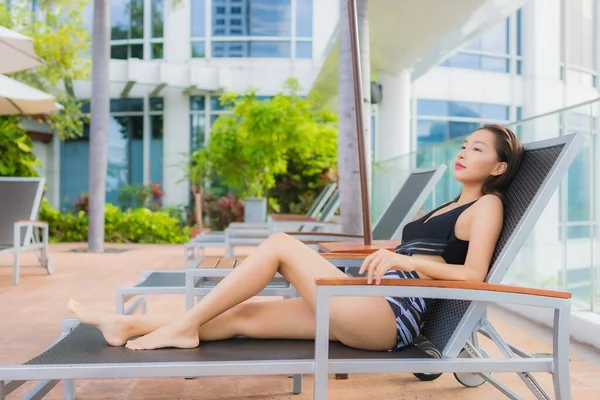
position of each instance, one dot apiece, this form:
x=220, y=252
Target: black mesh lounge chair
x=195, y=247
x=20, y=200
x=447, y=343
x=401, y=210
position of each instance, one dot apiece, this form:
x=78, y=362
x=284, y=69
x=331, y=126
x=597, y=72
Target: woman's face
x=478, y=159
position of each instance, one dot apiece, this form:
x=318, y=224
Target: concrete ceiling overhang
x=415, y=35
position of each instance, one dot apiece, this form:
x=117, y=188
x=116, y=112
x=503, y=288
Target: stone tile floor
x=30, y=316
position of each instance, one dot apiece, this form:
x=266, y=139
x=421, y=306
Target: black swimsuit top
x=436, y=236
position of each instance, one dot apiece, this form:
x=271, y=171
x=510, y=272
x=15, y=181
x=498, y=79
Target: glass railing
x=563, y=251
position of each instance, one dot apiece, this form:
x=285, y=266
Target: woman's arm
x=484, y=231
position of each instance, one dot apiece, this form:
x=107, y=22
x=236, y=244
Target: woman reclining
x=453, y=242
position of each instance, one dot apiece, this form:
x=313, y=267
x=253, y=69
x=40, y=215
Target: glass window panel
x=270, y=18
x=198, y=19
x=125, y=105
x=197, y=103
x=137, y=19
x=197, y=131
x=230, y=49
x=432, y=107
x=157, y=18
x=156, y=148
x=519, y=67
x=494, y=111
x=119, y=19
x=74, y=156
x=198, y=50
x=495, y=40
x=519, y=113
x=136, y=51
x=464, y=109
x=519, y=31
x=270, y=49
x=303, y=49
x=119, y=52
x=157, y=51
x=213, y=119
x=215, y=104
x=156, y=104
x=136, y=150
x=579, y=188
x=429, y=131
x=461, y=60
x=304, y=18
x=494, y=64
x=118, y=154
x=458, y=129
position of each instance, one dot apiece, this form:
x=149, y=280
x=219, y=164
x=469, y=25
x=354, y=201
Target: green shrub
x=131, y=226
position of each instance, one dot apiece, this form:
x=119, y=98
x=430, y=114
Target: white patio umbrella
x=18, y=98
x=16, y=52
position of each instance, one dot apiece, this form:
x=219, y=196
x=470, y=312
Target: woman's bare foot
x=114, y=328
x=174, y=334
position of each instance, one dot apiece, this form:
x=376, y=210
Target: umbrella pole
x=358, y=106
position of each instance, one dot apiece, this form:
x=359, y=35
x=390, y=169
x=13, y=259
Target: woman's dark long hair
x=509, y=149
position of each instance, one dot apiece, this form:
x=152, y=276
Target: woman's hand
x=378, y=263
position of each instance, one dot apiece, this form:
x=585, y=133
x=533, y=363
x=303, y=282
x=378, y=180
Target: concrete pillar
x=176, y=143
x=392, y=139
x=393, y=126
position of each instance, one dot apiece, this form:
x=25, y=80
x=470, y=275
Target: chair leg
x=562, y=383
x=69, y=393
x=297, y=384
x=17, y=265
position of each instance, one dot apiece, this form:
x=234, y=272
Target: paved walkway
x=30, y=316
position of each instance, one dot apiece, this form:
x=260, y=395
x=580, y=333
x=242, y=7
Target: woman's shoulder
x=489, y=204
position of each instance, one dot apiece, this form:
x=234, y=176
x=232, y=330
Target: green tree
x=254, y=144
x=61, y=40
x=16, y=156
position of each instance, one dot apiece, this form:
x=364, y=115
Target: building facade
x=170, y=62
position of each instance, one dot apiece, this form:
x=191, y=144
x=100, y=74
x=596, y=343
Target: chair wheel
x=468, y=379
x=427, y=377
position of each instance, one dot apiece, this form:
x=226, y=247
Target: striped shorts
x=409, y=311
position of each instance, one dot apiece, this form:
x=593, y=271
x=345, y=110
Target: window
x=127, y=29
x=578, y=186
x=253, y=28
x=156, y=139
x=125, y=151
x=441, y=120
x=491, y=50
x=198, y=27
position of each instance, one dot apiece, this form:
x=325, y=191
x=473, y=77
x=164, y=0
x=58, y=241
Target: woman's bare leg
x=359, y=322
x=284, y=319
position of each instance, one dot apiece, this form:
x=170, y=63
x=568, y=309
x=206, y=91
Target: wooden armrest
x=32, y=220
x=343, y=256
x=447, y=284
